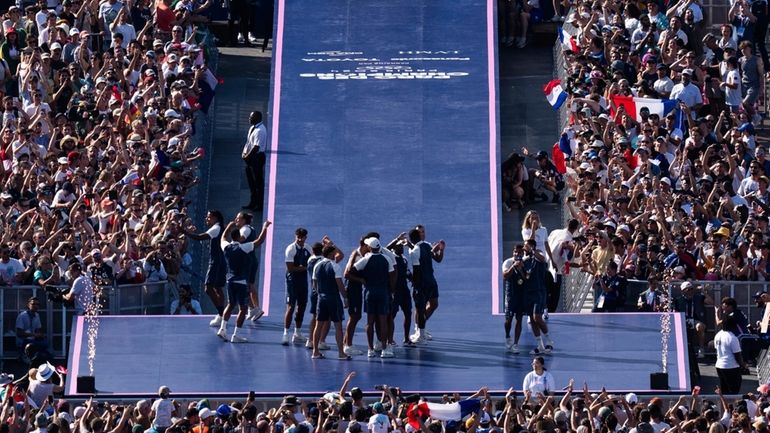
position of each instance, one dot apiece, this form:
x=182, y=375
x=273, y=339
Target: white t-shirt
x=9, y=270
x=292, y=248
x=361, y=263
x=163, y=408
x=379, y=423
x=538, y=383
x=541, y=236
x=214, y=230
x=733, y=96
x=726, y=344
x=83, y=291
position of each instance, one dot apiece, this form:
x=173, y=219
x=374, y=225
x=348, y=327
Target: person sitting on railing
x=29, y=328
x=693, y=302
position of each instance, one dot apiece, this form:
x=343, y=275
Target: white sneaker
x=377, y=346
x=545, y=315
x=548, y=349
x=258, y=313
x=514, y=349
x=252, y=38
x=352, y=351
x=241, y=39
x=323, y=346
x=238, y=339
x=371, y=353
x=418, y=339
x=309, y=344
x=387, y=353
x=216, y=321
x=508, y=343
x=701, y=354
x=285, y=340
x=222, y=333
x=298, y=339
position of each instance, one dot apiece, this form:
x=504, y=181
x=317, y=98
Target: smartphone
x=50, y=400
x=572, y=199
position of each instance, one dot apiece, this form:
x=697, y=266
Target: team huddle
x=374, y=281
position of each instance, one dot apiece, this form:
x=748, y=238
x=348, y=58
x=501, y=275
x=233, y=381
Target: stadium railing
x=125, y=299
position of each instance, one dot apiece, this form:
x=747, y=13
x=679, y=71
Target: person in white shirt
x=379, y=422
x=732, y=85
x=253, y=155
x=687, y=93
x=11, y=270
x=664, y=84
x=163, y=410
x=82, y=291
x=729, y=359
x=539, y=381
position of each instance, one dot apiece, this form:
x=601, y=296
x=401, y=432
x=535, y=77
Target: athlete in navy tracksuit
x=376, y=271
x=317, y=256
x=424, y=283
x=402, y=298
x=297, y=254
x=236, y=251
x=244, y=221
x=215, y=275
x=327, y=283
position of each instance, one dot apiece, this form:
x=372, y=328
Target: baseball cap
x=372, y=243
x=687, y=71
x=205, y=413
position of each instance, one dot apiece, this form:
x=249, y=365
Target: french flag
x=634, y=105
x=567, y=40
x=555, y=94
x=441, y=412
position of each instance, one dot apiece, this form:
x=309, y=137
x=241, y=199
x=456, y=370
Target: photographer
x=153, y=269
x=186, y=304
x=547, y=174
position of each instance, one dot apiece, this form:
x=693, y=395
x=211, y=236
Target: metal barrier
x=127, y=299
x=575, y=288
x=763, y=367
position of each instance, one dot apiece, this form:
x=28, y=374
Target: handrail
x=119, y=299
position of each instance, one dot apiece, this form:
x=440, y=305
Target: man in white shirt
x=11, y=270
x=379, y=422
x=82, y=291
x=254, y=156
x=664, y=84
x=687, y=92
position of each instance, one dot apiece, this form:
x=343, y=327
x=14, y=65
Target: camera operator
x=546, y=173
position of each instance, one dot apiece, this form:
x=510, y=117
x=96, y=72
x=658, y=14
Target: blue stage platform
x=383, y=116
x=137, y=354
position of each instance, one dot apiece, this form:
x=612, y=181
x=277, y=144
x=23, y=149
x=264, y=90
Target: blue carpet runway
x=384, y=116
x=135, y=355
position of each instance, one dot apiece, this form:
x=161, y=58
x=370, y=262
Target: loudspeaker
x=86, y=385
x=659, y=381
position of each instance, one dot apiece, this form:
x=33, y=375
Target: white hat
x=687, y=72
x=598, y=208
x=585, y=166
x=63, y=160
x=171, y=113
x=679, y=270
x=74, y=31
x=666, y=180
x=625, y=228
x=631, y=398
x=44, y=372
x=205, y=413
x=372, y=243
x=55, y=46
x=687, y=284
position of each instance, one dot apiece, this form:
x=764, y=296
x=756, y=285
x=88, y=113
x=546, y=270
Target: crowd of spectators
x=28, y=405
x=679, y=193
x=98, y=106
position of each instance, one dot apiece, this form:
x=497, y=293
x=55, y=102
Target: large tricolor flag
x=634, y=105
x=555, y=94
x=567, y=40
x=441, y=412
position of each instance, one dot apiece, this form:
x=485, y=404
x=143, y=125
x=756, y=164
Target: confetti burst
x=92, y=308
x=665, y=332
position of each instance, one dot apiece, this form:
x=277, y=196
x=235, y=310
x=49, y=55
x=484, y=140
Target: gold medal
x=520, y=281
